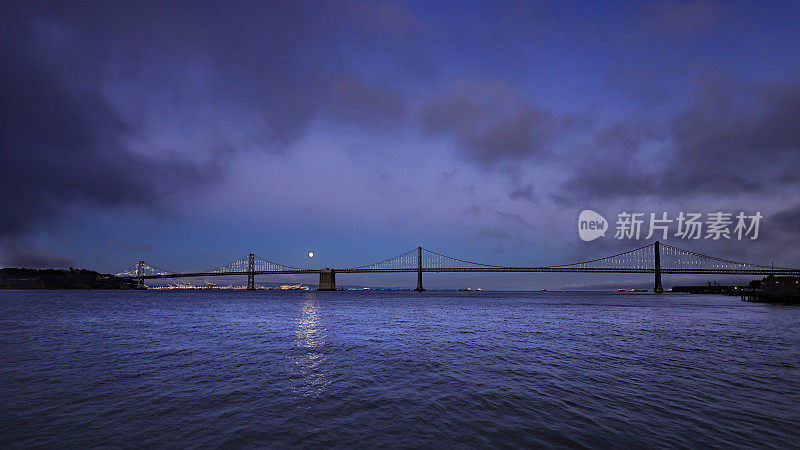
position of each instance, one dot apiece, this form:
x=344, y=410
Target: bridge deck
x=656, y=258
x=484, y=269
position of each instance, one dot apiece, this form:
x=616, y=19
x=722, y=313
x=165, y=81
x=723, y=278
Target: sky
x=189, y=134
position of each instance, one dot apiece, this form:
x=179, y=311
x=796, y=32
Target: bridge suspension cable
x=674, y=258
x=146, y=270
x=263, y=265
x=420, y=258
x=638, y=258
x=242, y=265
x=432, y=260
x=405, y=260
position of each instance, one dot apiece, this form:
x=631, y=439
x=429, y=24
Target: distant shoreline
x=61, y=279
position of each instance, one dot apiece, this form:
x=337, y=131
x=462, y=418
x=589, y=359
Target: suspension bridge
x=656, y=258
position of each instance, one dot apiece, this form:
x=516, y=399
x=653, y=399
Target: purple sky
x=189, y=134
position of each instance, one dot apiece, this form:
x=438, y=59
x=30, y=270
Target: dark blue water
x=396, y=369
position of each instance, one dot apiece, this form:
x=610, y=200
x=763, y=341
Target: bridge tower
x=140, y=275
x=251, y=268
x=658, y=288
x=419, y=270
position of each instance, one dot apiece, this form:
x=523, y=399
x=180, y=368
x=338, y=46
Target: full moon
x=310, y=254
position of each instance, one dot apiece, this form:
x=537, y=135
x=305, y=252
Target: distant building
x=773, y=285
x=776, y=289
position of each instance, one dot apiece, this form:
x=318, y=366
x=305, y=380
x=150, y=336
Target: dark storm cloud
x=61, y=145
x=780, y=230
x=611, y=169
x=30, y=256
x=491, y=123
x=355, y=101
x=733, y=138
x=65, y=144
x=787, y=220
x=274, y=57
x=733, y=132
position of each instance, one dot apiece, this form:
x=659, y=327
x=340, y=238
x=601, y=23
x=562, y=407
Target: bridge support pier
x=251, y=276
x=327, y=280
x=658, y=288
x=419, y=270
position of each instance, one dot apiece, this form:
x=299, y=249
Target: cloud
x=353, y=100
x=787, y=220
x=31, y=256
x=491, y=123
x=681, y=19
x=388, y=20
x=737, y=137
x=506, y=230
x=732, y=138
x=522, y=193
x=282, y=62
x=780, y=239
x=102, y=103
x=611, y=168
x=61, y=145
